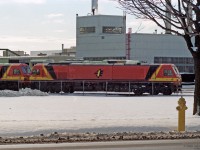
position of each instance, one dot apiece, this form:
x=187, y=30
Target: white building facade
x=101, y=36
x=161, y=48
x=104, y=37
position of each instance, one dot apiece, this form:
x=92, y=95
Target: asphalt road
x=188, y=144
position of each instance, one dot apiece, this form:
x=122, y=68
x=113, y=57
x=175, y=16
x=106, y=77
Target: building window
x=86, y=30
x=184, y=64
x=112, y=30
x=174, y=60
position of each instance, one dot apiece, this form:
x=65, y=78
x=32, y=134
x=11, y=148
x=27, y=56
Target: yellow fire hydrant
x=181, y=114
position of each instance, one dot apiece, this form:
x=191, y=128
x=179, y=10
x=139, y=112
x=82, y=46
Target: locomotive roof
x=125, y=63
x=104, y=62
x=13, y=64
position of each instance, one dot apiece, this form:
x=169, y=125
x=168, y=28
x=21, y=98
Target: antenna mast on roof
x=94, y=7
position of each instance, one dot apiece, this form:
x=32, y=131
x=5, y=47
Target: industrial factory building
x=161, y=48
x=101, y=36
x=105, y=37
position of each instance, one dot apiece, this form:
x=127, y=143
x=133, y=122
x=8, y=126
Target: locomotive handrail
x=85, y=84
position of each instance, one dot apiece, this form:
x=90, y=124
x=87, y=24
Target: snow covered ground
x=21, y=113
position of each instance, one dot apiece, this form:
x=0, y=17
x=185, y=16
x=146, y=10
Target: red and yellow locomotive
x=14, y=76
x=118, y=77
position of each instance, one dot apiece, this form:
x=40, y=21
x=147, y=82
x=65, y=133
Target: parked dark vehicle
x=187, y=78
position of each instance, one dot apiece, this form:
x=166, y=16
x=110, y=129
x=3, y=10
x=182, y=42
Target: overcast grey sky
x=30, y=25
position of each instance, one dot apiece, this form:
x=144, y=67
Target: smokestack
x=62, y=47
x=168, y=16
x=94, y=7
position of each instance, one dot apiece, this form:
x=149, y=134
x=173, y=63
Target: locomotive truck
x=114, y=77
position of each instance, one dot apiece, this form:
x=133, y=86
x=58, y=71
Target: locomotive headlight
x=179, y=80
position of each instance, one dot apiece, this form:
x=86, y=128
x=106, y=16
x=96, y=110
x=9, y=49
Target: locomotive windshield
x=176, y=70
x=36, y=72
x=26, y=70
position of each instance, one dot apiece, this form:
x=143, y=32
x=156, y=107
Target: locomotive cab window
x=167, y=72
x=16, y=71
x=176, y=70
x=26, y=70
x=36, y=72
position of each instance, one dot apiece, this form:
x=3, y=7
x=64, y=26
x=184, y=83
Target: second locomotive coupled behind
x=14, y=76
x=117, y=77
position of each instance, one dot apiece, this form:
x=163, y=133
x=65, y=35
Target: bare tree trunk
x=186, y=18
x=196, y=108
x=196, y=57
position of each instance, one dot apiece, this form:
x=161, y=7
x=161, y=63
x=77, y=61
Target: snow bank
x=22, y=92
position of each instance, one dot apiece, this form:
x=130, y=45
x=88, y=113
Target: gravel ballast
x=98, y=137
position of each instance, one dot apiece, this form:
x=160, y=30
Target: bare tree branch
x=183, y=12
x=181, y=17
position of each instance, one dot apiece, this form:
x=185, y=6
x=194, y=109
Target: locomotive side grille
x=3, y=70
x=51, y=71
x=152, y=69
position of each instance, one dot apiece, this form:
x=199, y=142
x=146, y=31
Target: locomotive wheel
x=33, y=86
x=109, y=88
x=167, y=91
x=57, y=90
x=68, y=89
x=42, y=87
x=65, y=90
x=117, y=88
x=155, y=92
x=71, y=89
x=13, y=87
x=54, y=89
x=138, y=92
x=51, y=90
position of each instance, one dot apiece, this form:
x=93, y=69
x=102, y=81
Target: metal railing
x=69, y=86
